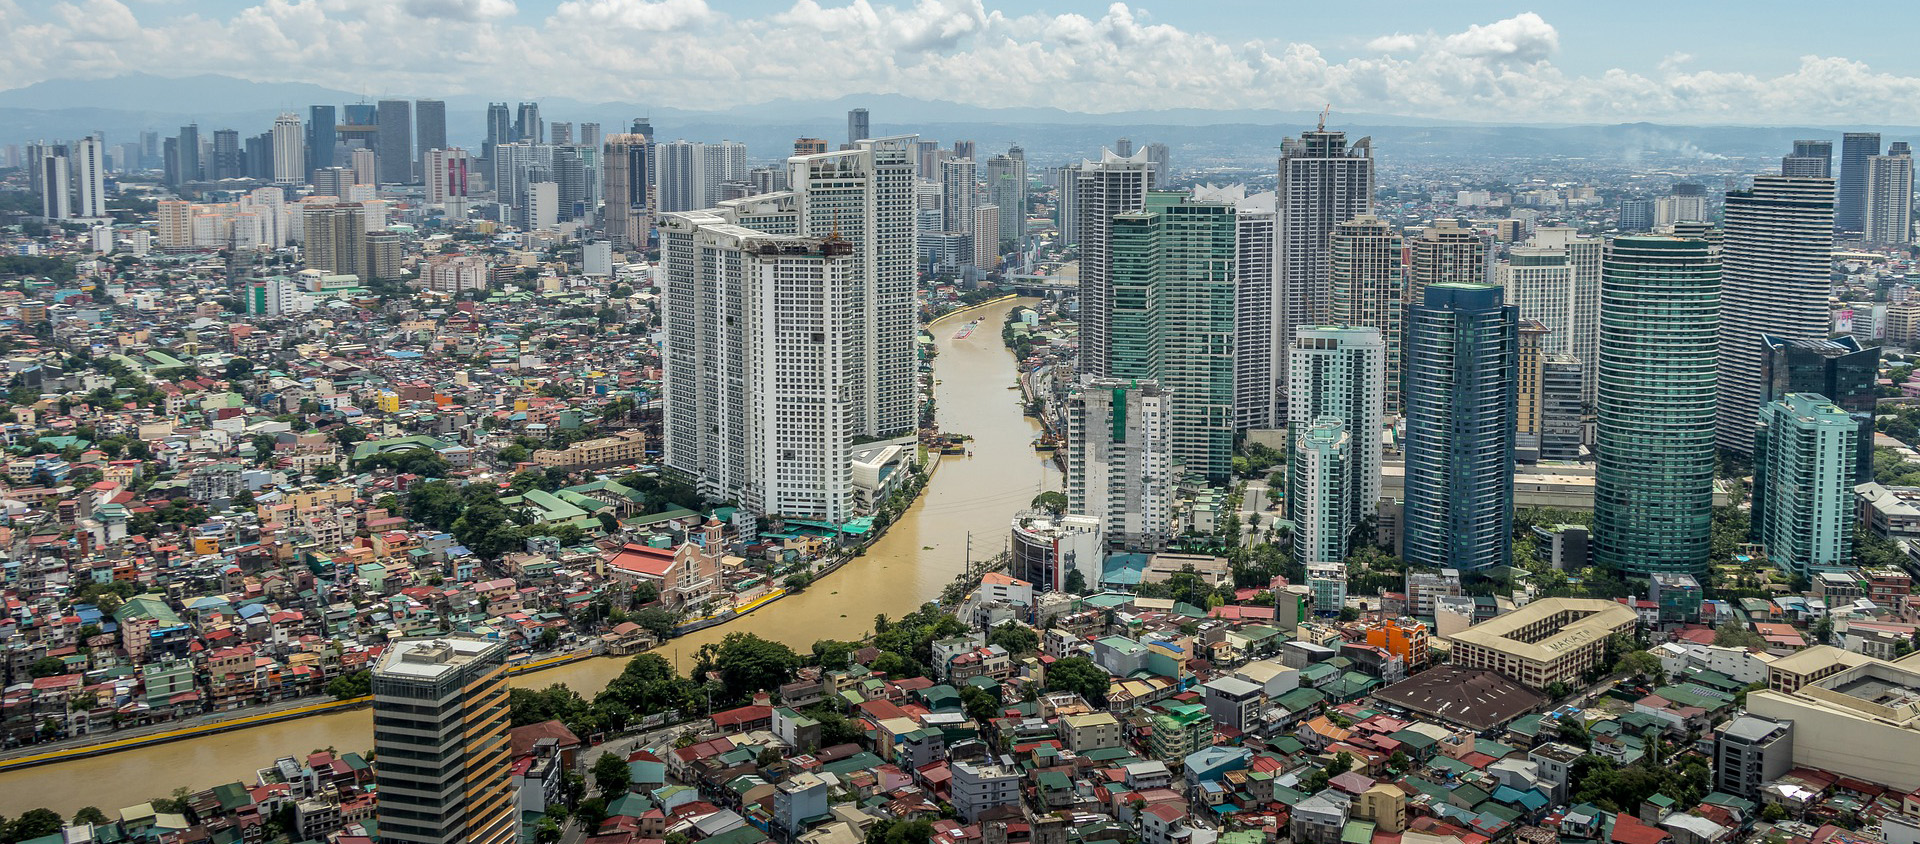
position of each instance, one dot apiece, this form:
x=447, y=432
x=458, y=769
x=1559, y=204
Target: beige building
x=1852, y=714
x=623, y=447
x=1903, y=323
x=1548, y=641
x=1094, y=731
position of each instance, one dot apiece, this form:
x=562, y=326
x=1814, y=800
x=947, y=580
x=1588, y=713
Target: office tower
x=445, y=175
x=1562, y=403
x=628, y=173
x=1636, y=215
x=189, y=154
x=986, y=237
x=395, y=150
x=570, y=179
x=1529, y=409
x=1749, y=752
x=88, y=170
x=226, y=155
x=1446, y=252
x=679, y=176
x=560, y=133
x=1659, y=337
x=590, y=135
x=1775, y=256
x=1803, y=478
x=335, y=236
x=857, y=129
x=809, y=146
x=169, y=157
x=1171, y=318
x=1123, y=147
x=149, y=150
x=1809, y=158
x=1889, y=200
x=332, y=181
x=963, y=149
x=1555, y=280
x=1162, y=160
x=767, y=179
x=777, y=406
x=1366, y=287
x=443, y=767
x=289, y=150
x=1258, y=365
x=1120, y=459
x=1837, y=369
x=1462, y=356
x=1320, y=491
x=1687, y=203
x=320, y=137
x=1093, y=193
x=56, y=182
x=1323, y=183
x=527, y=127
x=499, y=129
x=257, y=161
x=959, y=193
x=1340, y=372
x=430, y=127
x=1007, y=191
x=1850, y=206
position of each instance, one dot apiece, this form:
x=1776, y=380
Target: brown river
x=910, y=565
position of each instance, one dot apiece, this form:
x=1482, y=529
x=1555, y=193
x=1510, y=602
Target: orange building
x=1404, y=638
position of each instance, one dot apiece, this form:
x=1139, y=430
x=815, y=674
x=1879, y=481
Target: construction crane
x=1323, y=116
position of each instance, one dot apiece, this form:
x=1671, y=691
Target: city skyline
x=1470, y=62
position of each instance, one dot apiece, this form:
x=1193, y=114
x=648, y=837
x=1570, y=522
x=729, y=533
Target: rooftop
x=1587, y=620
x=1471, y=697
x=425, y=659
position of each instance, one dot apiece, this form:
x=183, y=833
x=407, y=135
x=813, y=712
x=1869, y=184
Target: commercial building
x=394, y=141
x=1552, y=640
x=1750, y=751
x=442, y=769
x=1462, y=362
x=623, y=448
x=1323, y=182
x=1837, y=369
x=1367, y=289
x=1007, y=191
x=1775, y=258
x=1857, y=150
x=430, y=127
x=1327, y=585
x=1320, y=491
x=627, y=175
x=1805, y=451
x=1340, y=372
x=1852, y=714
x=1092, y=194
x=1446, y=252
x=1659, y=327
x=1562, y=382
x=1120, y=460
x=978, y=787
x=1171, y=315
x=1809, y=158
x=1258, y=361
x=1889, y=216
x=1046, y=549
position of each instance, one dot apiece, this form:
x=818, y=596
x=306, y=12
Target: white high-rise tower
x=1323, y=182
x=1775, y=258
x=289, y=150
x=89, y=174
x=1092, y=192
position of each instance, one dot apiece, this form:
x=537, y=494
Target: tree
x=1076, y=582
x=746, y=664
x=1773, y=813
x=546, y=831
x=34, y=823
x=660, y=622
x=1573, y=730
x=591, y=812
x=1734, y=635
x=1015, y=637
x=90, y=814
x=1051, y=501
x=611, y=774
x=238, y=369
x=435, y=504
x=1081, y=676
x=1641, y=665
x=982, y=706
x=348, y=686
x=47, y=666
x=890, y=831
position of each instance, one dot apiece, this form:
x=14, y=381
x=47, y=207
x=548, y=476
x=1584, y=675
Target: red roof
x=644, y=560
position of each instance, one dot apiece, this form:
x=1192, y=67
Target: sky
x=1704, y=61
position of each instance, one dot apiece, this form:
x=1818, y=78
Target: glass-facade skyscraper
x=1659, y=333
x=1837, y=369
x=1462, y=365
x=1856, y=150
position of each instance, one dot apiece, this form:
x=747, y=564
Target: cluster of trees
x=58, y=269
x=36, y=823
x=1256, y=460
x=424, y=462
x=349, y=686
x=1901, y=422
x=1081, y=676
x=1598, y=780
x=473, y=514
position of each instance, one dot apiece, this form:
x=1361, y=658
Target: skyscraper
x=527, y=127
x=334, y=236
x=320, y=138
x=226, y=155
x=1007, y=190
x=560, y=132
x=809, y=146
x=1446, y=252
x=959, y=193
x=1323, y=183
x=1809, y=158
x=89, y=172
x=56, y=182
x=1320, y=491
x=1889, y=217
x=1850, y=209
x=628, y=171
x=1092, y=193
x=446, y=179
x=1659, y=337
x=443, y=764
x=1803, y=478
x=1120, y=460
x=430, y=127
x=1162, y=160
x=764, y=411
x=1531, y=410
x=1339, y=372
x=1258, y=364
x=395, y=150
x=1462, y=361
x=1636, y=215
x=1775, y=255
x=190, y=154
x=857, y=129
x=1367, y=288
x=1838, y=369
x=289, y=150
x=499, y=129
x=1172, y=320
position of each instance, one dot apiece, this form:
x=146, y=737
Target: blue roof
x=404, y=355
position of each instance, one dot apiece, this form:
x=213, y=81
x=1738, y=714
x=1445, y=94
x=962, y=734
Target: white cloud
x=688, y=54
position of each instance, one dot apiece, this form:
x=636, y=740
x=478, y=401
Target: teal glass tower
x=1462, y=403
x=1659, y=335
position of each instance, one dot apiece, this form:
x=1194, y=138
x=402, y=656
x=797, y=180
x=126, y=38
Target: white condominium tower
x=1092, y=192
x=1120, y=459
x=1774, y=256
x=1339, y=372
x=1323, y=183
x=1555, y=280
x=89, y=168
x=289, y=150
x=855, y=209
x=1890, y=196
x=1257, y=363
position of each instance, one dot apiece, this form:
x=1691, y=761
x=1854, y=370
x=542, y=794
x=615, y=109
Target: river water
x=918, y=557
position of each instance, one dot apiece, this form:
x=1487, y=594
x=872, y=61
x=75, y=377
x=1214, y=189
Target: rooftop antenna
x=1323, y=116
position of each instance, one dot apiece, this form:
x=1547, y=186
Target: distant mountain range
x=123, y=107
